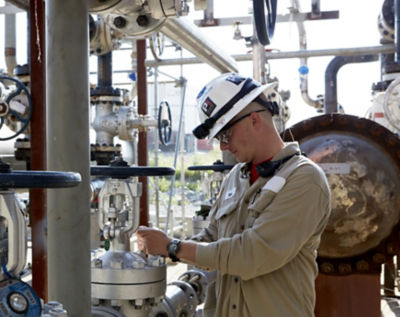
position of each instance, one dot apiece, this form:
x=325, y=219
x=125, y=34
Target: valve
x=17, y=297
x=13, y=106
x=164, y=123
x=122, y=278
x=264, y=24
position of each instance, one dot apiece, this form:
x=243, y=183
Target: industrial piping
x=331, y=103
x=184, y=32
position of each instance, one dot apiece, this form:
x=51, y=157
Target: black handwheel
x=38, y=179
x=217, y=166
x=265, y=24
x=124, y=172
x=23, y=118
x=164, y=123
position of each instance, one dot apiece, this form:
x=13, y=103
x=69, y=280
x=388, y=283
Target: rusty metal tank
x=362, y=162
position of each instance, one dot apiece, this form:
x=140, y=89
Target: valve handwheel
x=217, y=166
x=36, y=179
x=265, y=24
x=164, y=123
x=120, y=169
x=7, y=110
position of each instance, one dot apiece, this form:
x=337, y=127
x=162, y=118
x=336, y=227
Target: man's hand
x=152, y=241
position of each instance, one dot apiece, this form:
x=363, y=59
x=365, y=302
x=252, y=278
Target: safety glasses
x=225, y=134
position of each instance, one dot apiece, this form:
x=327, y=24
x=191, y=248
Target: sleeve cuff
x=206, y=255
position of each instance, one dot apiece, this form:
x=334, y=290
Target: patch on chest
x=275, y=184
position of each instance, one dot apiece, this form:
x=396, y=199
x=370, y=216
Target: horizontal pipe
x=368, y=50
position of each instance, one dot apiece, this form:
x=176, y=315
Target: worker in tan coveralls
x=266, y=224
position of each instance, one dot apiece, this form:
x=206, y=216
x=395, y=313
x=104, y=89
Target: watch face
x=173, y=248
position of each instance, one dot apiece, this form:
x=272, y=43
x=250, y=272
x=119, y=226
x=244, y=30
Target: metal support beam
x=142, y=146
x=68, y=150
x=37, y=197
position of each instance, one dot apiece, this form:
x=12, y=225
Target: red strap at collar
x=253, y=172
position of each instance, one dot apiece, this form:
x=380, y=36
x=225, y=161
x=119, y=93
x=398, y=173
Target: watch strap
x=173, y=248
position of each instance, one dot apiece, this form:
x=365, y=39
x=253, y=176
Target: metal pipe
x=303, y=70
x=68, y=150
x=142, y=143
x=37, y=197
x=331, y=103
x=387, y=49
x=104, y=72
x=208, y=14
x=185, y=33
x=9, y=41
x=258, y=58
x=156, y=148
x=397, y=29
x=315, y=8
x=177, y=146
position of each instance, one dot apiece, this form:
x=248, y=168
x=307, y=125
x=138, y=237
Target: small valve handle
x=127, y=171
x=217, y=166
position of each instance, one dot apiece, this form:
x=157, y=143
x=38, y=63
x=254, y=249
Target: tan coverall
x=262, y=240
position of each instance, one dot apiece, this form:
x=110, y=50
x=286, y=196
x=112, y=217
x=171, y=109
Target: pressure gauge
x=391, y=103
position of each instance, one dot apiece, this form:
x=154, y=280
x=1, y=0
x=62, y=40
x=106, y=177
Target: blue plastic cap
x=303, y=70
x=132, y=76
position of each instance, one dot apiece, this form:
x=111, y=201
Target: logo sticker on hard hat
x=208, y=107
x=236, y=79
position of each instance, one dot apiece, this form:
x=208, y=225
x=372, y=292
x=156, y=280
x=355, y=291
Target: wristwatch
x=173, y=248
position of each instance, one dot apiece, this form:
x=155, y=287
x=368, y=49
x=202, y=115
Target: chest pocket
x=226, y=220
x=263, y=198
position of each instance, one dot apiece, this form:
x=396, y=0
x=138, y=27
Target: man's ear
x=255, y=118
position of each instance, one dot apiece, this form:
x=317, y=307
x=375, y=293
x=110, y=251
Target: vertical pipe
x=208, y=14
x=142, y=144
x=156, y=149
x=182, y=150
x=37, y=197
x=68, y=150
x=397, y=29
x=9, y=41
x=104, y=70
x=258, y=58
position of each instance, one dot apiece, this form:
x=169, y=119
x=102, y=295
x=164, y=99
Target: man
x=266, y=223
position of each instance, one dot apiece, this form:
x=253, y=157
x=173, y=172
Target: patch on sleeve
x=208, y=107
x=230, y=193
x=275, y=184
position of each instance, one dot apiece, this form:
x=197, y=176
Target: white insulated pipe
x=67, y=95
x=184, y=32
x=10, y=41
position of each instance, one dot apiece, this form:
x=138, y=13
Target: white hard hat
x=223, y=98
